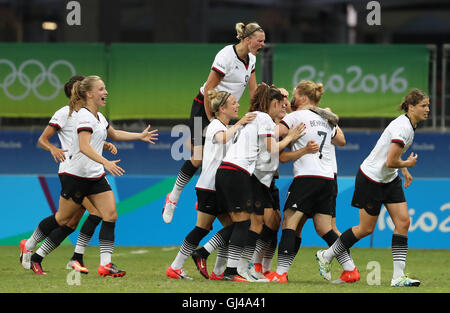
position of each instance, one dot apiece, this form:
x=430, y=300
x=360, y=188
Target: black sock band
x=48, y=224
x=298, y=243
x=287, y=242
x=185, y=174
x=330, y=237
x=90, y=224
x=348, y=238
x=107, y=231
x=196, y=235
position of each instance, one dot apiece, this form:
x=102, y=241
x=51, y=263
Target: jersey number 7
x=324, y=134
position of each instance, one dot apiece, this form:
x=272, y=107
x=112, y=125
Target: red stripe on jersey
x=87, y=178
x=399, y=141
x=198, y=100
x=317, y=176
x=228, y=168
x=284, y=123
x=234, y=166
x=203, y=189
x=378, y=183
x=88, y=129
x=215, y=69
x=55, y=125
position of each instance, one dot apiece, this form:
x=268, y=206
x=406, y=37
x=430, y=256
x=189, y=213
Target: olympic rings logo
x=33, y=84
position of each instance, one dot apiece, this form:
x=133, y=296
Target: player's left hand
x=150, y=136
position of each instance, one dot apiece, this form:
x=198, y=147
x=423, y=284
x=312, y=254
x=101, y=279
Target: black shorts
x=333, y=200
x=78, y=187
x=198, y=113
x=234, y=189
x=207, y=202
x=261, y=195
x=310, y=195
x=275, y=192
x=370, y=195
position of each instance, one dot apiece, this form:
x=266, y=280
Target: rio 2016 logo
x=19, y=76
x=359, y=81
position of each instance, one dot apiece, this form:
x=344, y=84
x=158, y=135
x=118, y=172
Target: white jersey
x=333, y=158
x=319, y=164
x=65, y=126
x=266, y=163
x=79, y=164
x=234, y=71
x=374, y=166
x=244, y=149
x=213, y=153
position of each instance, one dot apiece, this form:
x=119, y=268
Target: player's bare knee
x=109, y=216
x=196, y=162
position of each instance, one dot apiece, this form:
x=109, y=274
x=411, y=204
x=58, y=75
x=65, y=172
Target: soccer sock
x=219, y=239
x=221, y=260
x=261, y=243
x=106, y=239
x=399, y=251
x=188, y=246
x=237, y=242
x=343, y=258
x=298, y=243
x=248, y=251
x=343, y=243
x=286, y=251
x=86, y=232
x=184, y=176
x=45, y=227
x=51, y=243
x=270, y=252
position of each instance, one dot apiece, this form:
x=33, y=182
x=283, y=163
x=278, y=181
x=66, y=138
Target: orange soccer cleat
x=348, y=277
x=214, y=276
x=110, y=270
x=177, y=274
x=77, y=266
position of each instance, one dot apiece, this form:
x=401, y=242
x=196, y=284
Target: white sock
x=105, y=258
x=399, y=267
x=179, y=261
x=30, y=244
x=175, y=193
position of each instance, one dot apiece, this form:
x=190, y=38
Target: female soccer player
x=62, y=123
x=85, y=173
x=310, y=194
x=225, y=108
x=234, y=176
x=377, y=182
x=232, y=70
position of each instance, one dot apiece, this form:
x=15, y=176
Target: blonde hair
x=217, y=99
x=312, y=90
x=244, y=31
x=78, y=98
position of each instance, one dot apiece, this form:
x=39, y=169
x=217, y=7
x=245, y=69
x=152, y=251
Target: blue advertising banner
x=140, y=200
x=151, y=172
x=169, y=153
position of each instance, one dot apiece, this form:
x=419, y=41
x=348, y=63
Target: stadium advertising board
x=32, y=75
x=359, y=80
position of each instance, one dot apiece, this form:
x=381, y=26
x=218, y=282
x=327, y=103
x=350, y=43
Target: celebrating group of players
x=239, y=169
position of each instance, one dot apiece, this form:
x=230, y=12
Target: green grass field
x=146, y=268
